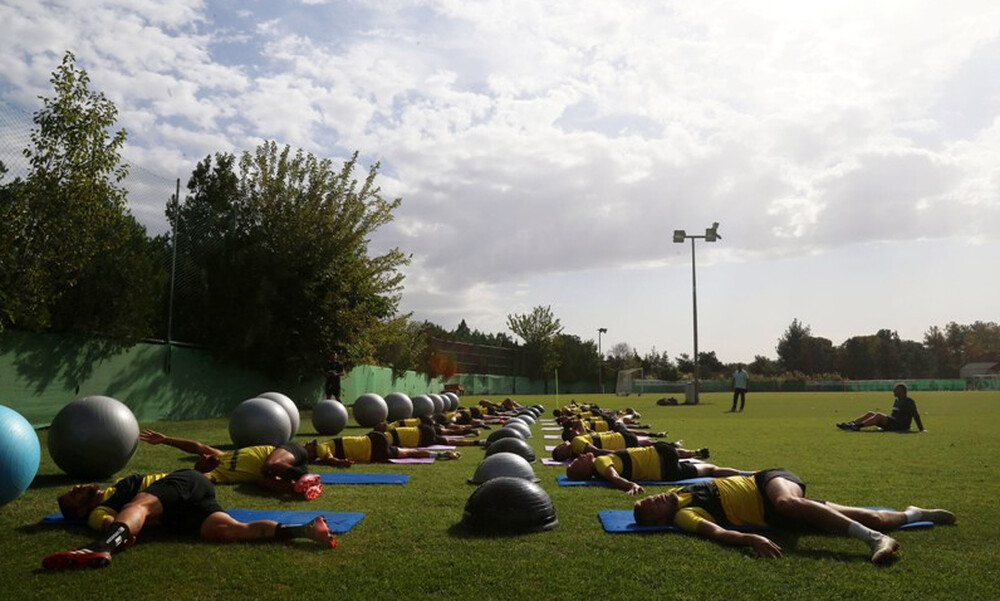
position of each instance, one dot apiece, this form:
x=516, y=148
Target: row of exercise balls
x=93, y=437
x=371, y=409
x=330, y=417
x=508, y=499
x=20, y=454
x=270, y=418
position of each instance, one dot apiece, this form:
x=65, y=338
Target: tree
x=73, y=259
x=763, y=366
x=276, y=248
x=659, y=366
x=791, y=346
x=539, y=330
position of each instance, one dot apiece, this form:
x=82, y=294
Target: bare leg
x=222, y=527
x=787, y=498
x=714, y=471
x=872, y=419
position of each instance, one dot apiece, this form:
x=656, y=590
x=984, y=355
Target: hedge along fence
x=40, y=373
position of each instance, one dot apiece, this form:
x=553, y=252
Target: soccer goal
x=626, y=381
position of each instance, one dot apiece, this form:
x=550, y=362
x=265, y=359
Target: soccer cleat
x=313, y=492
x=77, y=558
x=306, y=482
x=702, y=453
x=885, y=551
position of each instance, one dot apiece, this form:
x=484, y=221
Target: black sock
x=114, y=537
x=290, y=531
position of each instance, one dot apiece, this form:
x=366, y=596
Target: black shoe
x=702, y=453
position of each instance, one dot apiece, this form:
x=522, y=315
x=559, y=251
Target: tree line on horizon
x=268, y=265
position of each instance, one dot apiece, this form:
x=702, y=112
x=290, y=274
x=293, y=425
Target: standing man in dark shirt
x=334, y=371
x=904, y=411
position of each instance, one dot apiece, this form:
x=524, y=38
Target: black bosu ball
x=503, y=433
x=507, y=505
x=512, y=445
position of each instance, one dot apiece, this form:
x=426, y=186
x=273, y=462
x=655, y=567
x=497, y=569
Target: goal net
x=626, y=381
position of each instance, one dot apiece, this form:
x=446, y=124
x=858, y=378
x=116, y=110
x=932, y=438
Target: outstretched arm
x=191, y=446
x=589, y=448
x=333, y=461
x=612, y=476
x=761, y=545
x=916, y=418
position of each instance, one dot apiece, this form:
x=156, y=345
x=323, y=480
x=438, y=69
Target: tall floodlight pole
x=600, y=365
x=711, y=235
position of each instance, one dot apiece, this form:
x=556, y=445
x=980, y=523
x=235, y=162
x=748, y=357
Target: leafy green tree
x=277, y=253
x=578, y=360
x=792, y=346
x=764, y=366
x=659, y=366
x=539, y=330
x=73, y=258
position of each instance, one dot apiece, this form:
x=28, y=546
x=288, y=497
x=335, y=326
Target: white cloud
x=537, y=142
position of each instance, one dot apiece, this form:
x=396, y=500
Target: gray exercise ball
x=400, y=406
x=288, y=405
x=503, y=464
x=423, y=406
x=259, y=421
x=370, y=410
x=507, y=505
x=438, y=401
x=93, y=437
x=329, y=417
x=454, y=400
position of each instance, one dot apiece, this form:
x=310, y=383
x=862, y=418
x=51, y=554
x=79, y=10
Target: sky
x=546, y=151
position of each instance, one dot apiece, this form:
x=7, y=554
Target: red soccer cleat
x=313, y=492
x=306, y=482
x=77, y=558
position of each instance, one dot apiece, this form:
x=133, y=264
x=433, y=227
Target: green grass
x=408, y=547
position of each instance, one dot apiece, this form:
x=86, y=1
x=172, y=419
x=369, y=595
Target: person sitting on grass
x=603, y=443
x=776, y=498
x=182, y=502
x=373, y=447
x=659, y=461
x=904, y=411
x=276, y=469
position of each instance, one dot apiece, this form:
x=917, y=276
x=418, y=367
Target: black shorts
x=671, y=469
x=429, y=438
x=893, y=425
x=187, y=497
x=381, y=450
x=771, y=516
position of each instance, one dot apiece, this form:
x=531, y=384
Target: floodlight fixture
x=712, y=233
x=679, y=236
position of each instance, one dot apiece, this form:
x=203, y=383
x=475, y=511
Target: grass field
x=408, y=546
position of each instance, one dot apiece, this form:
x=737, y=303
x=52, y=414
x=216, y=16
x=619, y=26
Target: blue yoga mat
x=622, y=520
x=363, y=478
x=565, y=481
x=338, y=521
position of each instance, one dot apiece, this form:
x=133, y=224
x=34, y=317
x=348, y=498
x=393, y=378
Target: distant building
x=981, y=375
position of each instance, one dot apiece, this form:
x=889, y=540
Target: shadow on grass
x=462, y=531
